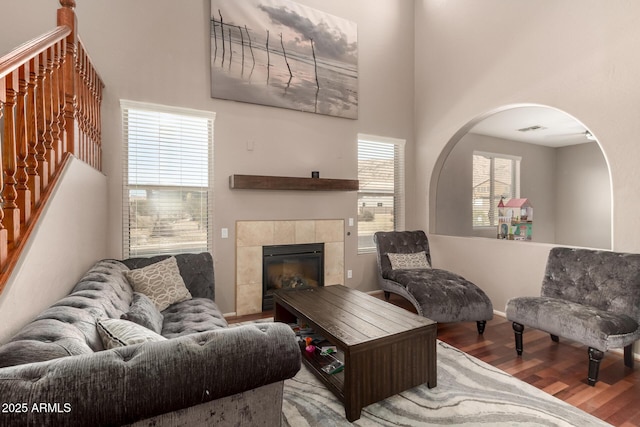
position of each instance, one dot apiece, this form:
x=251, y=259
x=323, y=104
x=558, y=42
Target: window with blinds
x=381, y=193
x=494, y=176
x=167, y=179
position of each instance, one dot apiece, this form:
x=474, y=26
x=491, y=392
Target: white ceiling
x=558, y=129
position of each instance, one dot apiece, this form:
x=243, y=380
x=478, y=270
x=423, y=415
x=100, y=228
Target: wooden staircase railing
x=50, y=96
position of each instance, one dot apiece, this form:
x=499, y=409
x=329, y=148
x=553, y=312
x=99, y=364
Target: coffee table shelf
x=385, y=349
x=334, y=382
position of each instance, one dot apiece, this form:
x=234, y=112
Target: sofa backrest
x=399, y=242
x=603, y=279
x=68, y=327
x=196, y=271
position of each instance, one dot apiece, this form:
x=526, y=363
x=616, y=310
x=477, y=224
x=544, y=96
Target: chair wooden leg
x=595, y=357
x=628, y=356
x=387, y=295
x=555, y=338
x=518, y=329
x=481, y=325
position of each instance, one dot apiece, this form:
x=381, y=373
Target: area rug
x=469, y=392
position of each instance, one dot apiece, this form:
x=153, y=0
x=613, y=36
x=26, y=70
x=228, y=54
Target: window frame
x=399, y=184
x=515, y=183
x=127, y=106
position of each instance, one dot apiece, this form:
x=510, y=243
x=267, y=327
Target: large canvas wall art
x=283, y=54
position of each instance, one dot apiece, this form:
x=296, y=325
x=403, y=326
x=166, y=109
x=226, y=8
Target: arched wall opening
x=565, y=175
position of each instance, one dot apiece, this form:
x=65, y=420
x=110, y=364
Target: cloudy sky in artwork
x=334, y=38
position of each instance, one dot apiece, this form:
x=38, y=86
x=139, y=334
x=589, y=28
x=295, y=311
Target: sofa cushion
x=443, y=295
x=192, y=316
x=411, y=261
x=600, y=329
x=196, y=271
x=68, y=327
x=161, y=282
x=144, y=312
x=119, y=333
x=404, y=242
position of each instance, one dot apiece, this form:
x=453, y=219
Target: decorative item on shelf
x=310, y=347
x=515, y=219
x=315, y=174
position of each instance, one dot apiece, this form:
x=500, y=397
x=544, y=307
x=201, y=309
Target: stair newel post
x=4, y=246
x=67, y=16
x=33, y=179
x=9, y=193
x=41, y=116
x=24, y=194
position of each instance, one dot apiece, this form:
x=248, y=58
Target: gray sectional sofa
x=56, y=370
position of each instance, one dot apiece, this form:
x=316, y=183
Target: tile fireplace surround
x=251, y=236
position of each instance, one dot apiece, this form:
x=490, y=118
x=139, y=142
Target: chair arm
x=132, y=383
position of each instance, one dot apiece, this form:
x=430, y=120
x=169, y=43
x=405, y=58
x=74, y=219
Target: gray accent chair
x=438, y=294
x=588, y=296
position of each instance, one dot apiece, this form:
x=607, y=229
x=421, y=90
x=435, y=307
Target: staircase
x=50, y=97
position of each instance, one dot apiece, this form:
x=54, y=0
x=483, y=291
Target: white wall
x=583, y=192
x=68, y=240
x=502, y=269
x=158, y=51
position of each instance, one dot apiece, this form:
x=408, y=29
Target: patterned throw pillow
x=119, y=333
x=412, y=261
x=144, y=312
x=161, y=282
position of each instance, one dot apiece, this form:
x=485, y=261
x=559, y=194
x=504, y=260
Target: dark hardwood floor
x=559, y=369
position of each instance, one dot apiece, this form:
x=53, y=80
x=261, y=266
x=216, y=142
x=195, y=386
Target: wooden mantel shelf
x=261, y=182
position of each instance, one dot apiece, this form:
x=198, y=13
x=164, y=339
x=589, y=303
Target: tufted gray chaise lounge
x=588, y=296
x=438, y=294
x=205, y=374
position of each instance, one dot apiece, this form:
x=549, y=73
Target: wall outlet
x=224, y=233
x=349, y=274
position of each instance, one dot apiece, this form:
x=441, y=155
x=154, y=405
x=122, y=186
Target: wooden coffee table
x=385, y=349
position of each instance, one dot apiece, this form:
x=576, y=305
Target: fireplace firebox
x=291, y=267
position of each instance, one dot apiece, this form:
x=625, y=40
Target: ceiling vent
x=532, y=128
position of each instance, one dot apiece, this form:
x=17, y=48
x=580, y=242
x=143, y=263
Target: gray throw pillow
x=144, y=312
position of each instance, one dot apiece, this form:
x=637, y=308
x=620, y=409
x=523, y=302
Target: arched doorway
x=556, y=163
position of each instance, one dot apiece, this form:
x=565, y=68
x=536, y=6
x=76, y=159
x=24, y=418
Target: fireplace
x=299, y=266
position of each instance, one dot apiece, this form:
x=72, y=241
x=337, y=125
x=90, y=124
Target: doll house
x=515, y=219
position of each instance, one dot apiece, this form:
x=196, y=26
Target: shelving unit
x=264, y=182
x=335, y=382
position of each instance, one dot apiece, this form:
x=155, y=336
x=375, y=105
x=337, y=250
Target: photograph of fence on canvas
x=282, y=54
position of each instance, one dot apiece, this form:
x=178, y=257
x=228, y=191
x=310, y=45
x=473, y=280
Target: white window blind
x=494, y=176
x=167, y=179
x=381, y=193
